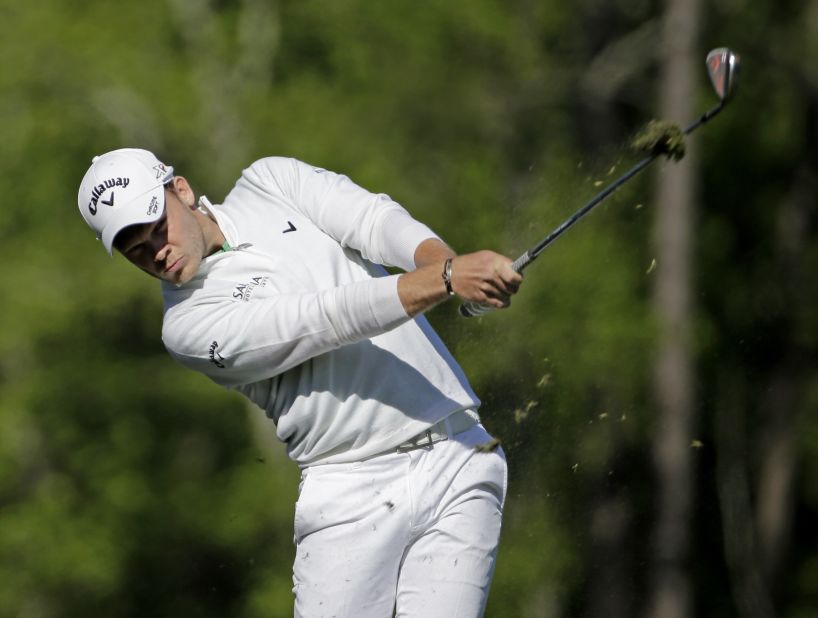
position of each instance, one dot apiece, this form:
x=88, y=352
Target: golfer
x=280, y=293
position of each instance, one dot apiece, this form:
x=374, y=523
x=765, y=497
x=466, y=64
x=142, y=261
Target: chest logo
x=289, y=229
x=244, y=291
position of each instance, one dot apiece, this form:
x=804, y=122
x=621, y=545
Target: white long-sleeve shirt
x=301, y=318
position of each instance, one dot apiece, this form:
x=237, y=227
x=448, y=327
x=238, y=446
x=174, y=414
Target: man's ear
x=180, y=186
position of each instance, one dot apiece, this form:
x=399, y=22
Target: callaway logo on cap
x=121, y=188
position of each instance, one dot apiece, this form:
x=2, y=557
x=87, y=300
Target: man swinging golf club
x=278, y=293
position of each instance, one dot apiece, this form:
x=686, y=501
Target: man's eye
x=135, y=249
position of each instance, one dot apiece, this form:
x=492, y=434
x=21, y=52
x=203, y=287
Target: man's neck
x=214, y=238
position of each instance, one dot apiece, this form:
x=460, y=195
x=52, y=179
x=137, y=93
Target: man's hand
x=484, y=277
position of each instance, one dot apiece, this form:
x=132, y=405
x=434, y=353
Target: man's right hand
x=483, y=277
x=486, y=278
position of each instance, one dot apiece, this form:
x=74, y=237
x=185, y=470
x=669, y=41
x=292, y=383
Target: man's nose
x=160, y=249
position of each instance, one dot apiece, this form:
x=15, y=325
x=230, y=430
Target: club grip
x=521, y=262
x=475, y=310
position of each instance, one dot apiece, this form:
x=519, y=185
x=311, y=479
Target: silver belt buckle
x=420, y=441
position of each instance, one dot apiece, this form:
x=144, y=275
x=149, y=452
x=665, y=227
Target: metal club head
x=722, y=66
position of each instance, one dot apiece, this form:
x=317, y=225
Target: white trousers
x=410, y=534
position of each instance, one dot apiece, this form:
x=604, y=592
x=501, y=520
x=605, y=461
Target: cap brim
x=146, y=208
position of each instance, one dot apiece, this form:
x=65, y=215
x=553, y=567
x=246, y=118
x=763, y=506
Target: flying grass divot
x=660, y=137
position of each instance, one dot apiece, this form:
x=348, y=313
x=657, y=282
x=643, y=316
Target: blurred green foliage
x=130, y=487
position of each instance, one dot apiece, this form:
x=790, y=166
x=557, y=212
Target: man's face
x=170, y=248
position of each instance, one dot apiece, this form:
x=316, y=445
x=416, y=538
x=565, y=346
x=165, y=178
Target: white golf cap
x=121, y=188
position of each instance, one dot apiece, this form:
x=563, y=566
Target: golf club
x=722, y=67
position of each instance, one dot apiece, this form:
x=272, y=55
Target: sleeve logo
x=214, y=356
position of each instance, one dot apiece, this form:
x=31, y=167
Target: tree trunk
x=785, y=393
x=741, y=551
x=669, y=590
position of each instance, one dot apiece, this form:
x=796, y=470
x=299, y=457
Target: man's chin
x=183, y=274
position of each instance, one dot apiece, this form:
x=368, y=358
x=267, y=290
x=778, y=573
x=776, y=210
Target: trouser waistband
x=450, y=426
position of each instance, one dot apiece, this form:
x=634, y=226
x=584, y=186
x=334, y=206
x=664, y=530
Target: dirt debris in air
x=520, y=414
x=489, y=447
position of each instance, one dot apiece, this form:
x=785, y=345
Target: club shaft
x=535, y=251
x=475, y=309
x=530, y=255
